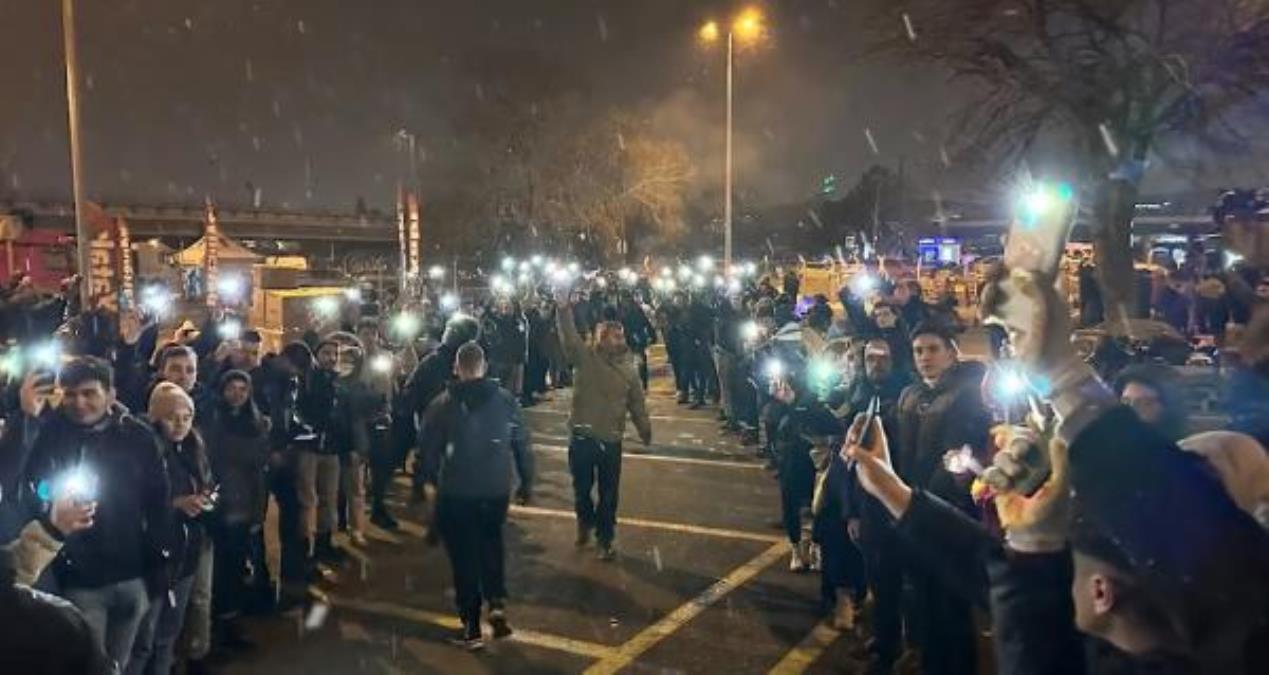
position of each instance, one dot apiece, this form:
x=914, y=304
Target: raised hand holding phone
x=873, y=466
x=34, y=394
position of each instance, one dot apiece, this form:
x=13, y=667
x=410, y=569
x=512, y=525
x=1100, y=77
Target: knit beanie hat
x=166, y=398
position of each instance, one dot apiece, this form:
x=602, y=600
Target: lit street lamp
x=747, y=27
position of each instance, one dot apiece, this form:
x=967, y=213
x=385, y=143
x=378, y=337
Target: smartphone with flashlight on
x=1040, y=229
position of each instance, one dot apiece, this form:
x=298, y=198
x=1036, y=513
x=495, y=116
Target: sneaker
x=468, y=638
x=498, y=619
x=607, y=553
x=583, y=535
x=358, y=539
x=797, y=560
x=696, y=405
x=384, y=520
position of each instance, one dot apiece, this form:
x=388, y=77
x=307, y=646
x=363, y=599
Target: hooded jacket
x=473, y=435
x=238, y=450
x=605, y=387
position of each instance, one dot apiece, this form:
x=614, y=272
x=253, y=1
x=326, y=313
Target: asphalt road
x=701, y=583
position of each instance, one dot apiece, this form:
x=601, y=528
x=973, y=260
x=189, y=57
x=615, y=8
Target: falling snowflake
x=907, y=26
x=872, y=142
x=602, y=24
x=1109, y=140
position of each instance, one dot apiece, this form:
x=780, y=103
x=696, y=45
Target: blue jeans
x=153, y=652
x=114, y=613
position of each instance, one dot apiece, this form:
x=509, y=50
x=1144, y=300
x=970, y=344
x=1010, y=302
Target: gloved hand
x=1037, y=320
x=1035, y=523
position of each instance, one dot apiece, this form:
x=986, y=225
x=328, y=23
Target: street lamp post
x=727, y=204
x=747, y=26
x=82, y=241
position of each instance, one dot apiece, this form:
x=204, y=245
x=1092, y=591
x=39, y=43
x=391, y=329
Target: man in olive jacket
x=605, y=386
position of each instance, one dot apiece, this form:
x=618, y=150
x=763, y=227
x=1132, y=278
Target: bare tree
x=617, y=175
x=1112, y=79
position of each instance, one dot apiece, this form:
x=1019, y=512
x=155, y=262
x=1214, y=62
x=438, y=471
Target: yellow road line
x=649, y=637
x=656, y=525
x=807, y=652
x=529, y=637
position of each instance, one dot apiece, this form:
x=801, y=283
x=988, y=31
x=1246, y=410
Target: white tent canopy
x=229, y=251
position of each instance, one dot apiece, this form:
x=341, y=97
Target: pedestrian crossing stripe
x=649, y=637
x=656, y=525
x=418, y=530
x=450, y=622
x=806, y=652
x=664, y=458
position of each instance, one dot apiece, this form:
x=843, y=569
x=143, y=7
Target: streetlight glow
x=748, y=25
x=709, y=32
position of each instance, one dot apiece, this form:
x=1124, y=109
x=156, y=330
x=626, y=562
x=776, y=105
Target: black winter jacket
x=188, y=473
x=45, y=635
x=238, y=450
x=934, y=420
x=131, y=536
x=473, y=436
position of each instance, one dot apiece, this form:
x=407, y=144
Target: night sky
x=301, y=98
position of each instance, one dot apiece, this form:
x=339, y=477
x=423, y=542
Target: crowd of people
x=137, y=467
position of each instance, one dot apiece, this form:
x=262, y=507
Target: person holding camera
x=193, y=496
x=113, y=570
x=1109, y=528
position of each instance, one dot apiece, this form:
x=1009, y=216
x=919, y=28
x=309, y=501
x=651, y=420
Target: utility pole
x=82, y=238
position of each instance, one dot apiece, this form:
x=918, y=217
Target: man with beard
x=606, y=386
x=866, y=520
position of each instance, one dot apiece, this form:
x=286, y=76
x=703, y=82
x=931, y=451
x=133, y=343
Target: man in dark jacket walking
x=943, y=411
x=472, y=437
x=431, y=376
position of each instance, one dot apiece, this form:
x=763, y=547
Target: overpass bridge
x=307, y=228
